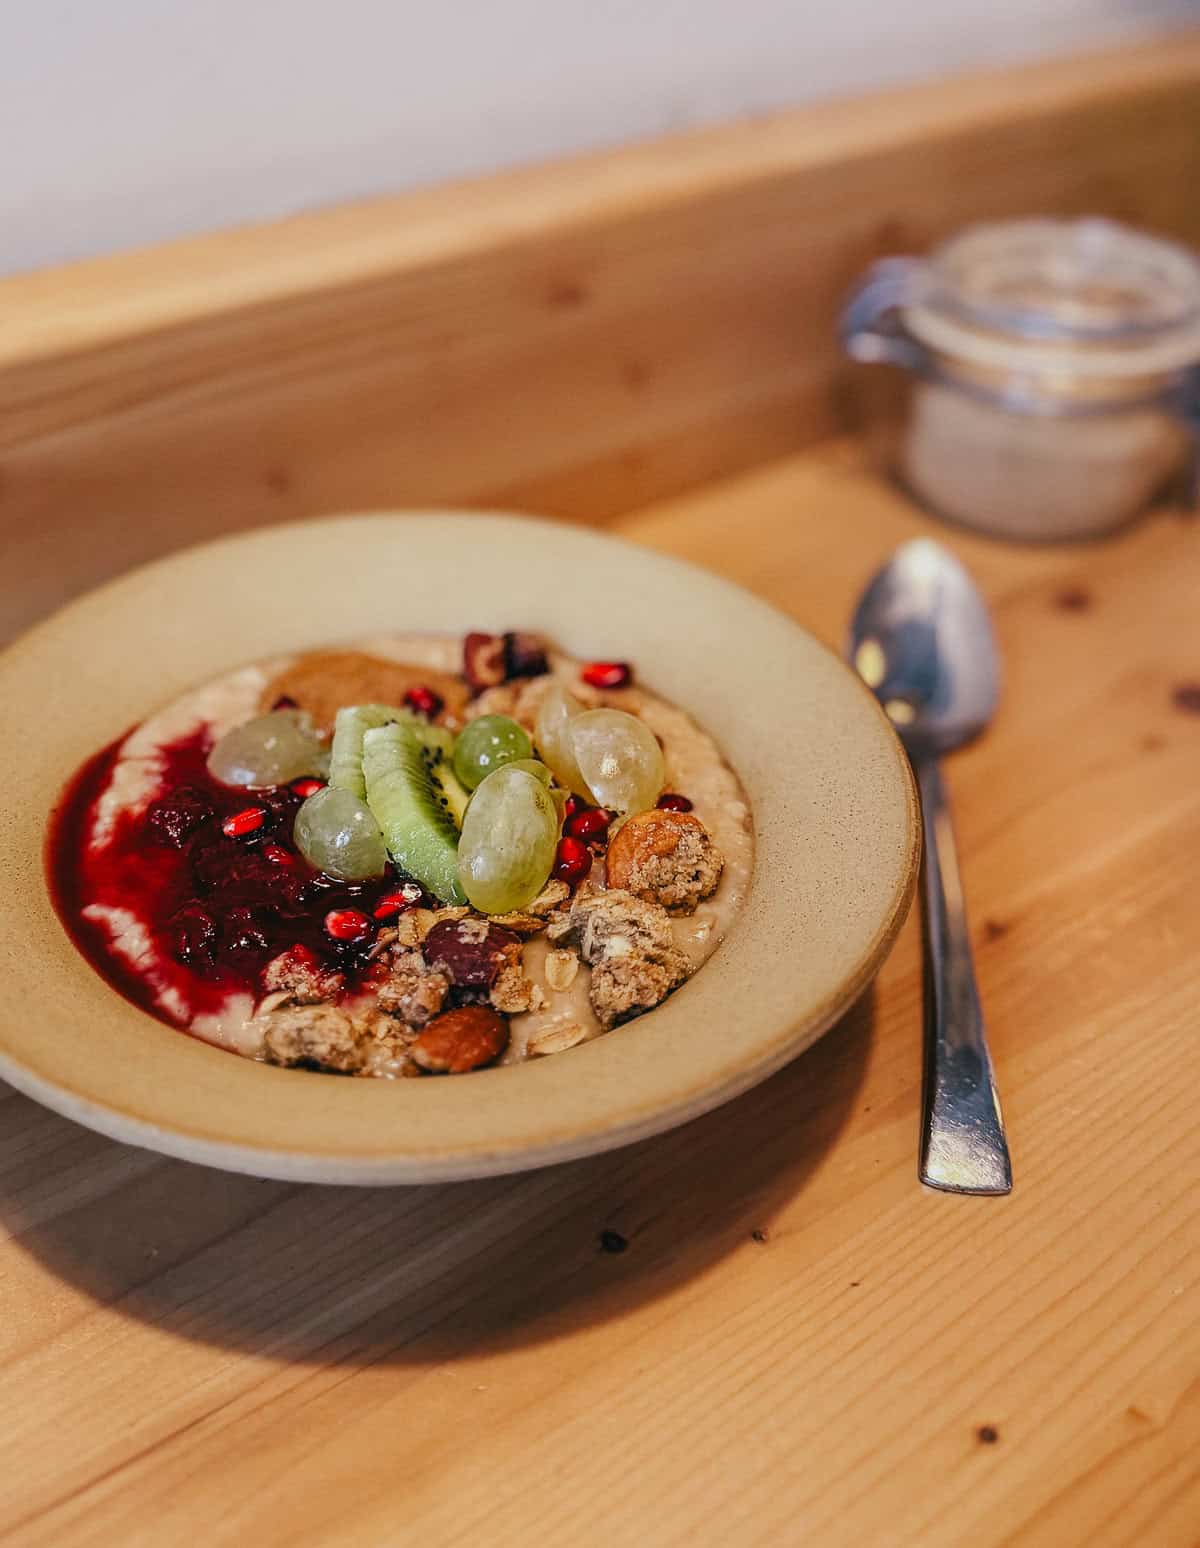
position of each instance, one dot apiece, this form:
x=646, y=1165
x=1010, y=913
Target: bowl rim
x=360, y=1142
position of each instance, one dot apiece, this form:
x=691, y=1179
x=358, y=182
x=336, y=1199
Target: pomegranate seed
x=347, y=924
x=572, y=805
x=243, y=823
x=423, y=701
x=393, y=903
x=669, y=802
x=276, y=854
x=285, y=701
x=590, y=825
x=573, y=862
x=608, y=674
x=306, y=787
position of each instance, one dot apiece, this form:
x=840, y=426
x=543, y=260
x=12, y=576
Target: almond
x=461, y=1040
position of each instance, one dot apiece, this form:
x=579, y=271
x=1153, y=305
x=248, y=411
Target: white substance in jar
x=1052, y=361
x=1030, y=476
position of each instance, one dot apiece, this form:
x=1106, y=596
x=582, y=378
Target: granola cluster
x=433, y=967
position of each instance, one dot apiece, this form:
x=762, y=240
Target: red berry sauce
x=218, y=908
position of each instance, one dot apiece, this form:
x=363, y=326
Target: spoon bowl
x=922, y=641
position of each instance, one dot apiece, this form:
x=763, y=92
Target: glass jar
x=1055, y=365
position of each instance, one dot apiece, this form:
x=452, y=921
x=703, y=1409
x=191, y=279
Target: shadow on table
x=413, y=1275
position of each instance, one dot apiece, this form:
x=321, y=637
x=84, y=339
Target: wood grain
x=576, y=339
x=797, y=1344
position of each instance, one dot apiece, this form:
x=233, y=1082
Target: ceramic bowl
x=836, y=823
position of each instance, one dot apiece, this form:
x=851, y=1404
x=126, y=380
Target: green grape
x=553, y=737
x=509, y=839
x=485, y=745
x=270, y=750
x=619, y=757
x=337, y=833
x=532, y=766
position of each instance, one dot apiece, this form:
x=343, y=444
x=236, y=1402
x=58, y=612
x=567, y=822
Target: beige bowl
x=837, y=831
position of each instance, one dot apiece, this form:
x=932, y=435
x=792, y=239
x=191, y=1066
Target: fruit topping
x=670, y=802
x=590, y=824
x=306, y=787
x=412, y=808
x=484, y=665
x=245, y=823
x=337, y=833
x=461, y=1040
x=423, y=701
x=664, y=857
x=348, y=925
x=508, y=841
x=270, y=750
x=177, y=816
x=553, y=737
x=345, y=756
x=572, y=862
x=193, y=935
x=276, y=854
x=607, y=674
x=469, y=951
x=486, y=744
x=393, y=903
x=525, y=655
x=619, y=758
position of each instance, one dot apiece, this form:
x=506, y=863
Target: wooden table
x=758, y=1329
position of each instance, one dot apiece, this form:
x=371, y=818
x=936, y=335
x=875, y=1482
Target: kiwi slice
x=351, y=726
x=345, y=755
x=410, y=803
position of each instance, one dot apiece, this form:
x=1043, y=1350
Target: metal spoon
x=922, y=641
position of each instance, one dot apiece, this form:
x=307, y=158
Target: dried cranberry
x=194, y=934
x=177, y=816
x=483, y=661
x=525, y=655
x=608, y=674
x=591, y=825
x=469, y=951
x=348, y=925
x=423, y=701
x=670, y=802
x=573, y=862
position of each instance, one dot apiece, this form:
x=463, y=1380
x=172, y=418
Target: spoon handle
x=963, y=1148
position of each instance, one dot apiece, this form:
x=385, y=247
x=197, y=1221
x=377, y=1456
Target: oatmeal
x=415, y=855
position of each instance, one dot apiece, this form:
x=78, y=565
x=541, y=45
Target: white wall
x=125, y=121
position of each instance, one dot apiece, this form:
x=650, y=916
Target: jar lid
x=1078, y=298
